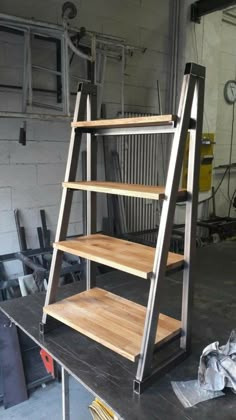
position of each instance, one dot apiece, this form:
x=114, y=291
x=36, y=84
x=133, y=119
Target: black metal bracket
x=87, y=88
x=140, y=386
x=51, y=324
x=195, y=70
x=204, y=7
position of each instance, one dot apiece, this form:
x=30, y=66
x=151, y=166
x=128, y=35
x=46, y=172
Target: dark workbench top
x=108, y=375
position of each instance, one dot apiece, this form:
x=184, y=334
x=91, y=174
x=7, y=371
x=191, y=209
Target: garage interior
x=117, y=209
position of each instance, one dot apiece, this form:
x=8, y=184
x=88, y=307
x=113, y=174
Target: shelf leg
x=192, y=74
x=191, y=214
x=66, y=200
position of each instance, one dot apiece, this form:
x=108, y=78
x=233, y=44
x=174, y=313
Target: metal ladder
x=152, y=266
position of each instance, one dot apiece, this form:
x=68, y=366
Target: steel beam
x=134, y=131
x=163, y=240
x=191, y=106
x=66, y=200
x=191, y=214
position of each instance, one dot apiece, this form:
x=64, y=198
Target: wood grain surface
x=110, y=320
x=127, y=122
x=123, y=255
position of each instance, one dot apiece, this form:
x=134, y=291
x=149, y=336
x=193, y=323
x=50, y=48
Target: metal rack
x=142, y=260
x=98, y=48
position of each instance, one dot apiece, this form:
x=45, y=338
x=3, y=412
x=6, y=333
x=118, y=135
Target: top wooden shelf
x=157, y=120
x=151, y=192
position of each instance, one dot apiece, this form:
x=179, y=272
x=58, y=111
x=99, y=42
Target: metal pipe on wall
x=122, y=81
x=173, y=91
x=174, y=71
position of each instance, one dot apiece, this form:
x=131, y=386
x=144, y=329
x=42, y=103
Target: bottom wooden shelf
x=111, y=320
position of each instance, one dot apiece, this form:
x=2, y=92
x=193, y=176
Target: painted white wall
x=30, y=177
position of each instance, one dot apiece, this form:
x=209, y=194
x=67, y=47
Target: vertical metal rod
x=191, y=213
x=101, y=81
x=63, y=74
x=133, y=201
x=84, y=194
x=145, y=202
x=29, y=69
x=131, y=163
x=159, y=98
x=213, y=201
x=154, y=168
x=122, y=99
x=91, y=175
x=163, y=240
x=138, y=202
x=25, y=73
x=146, y=164
x=143, y=161
x=67, y=77
x=128, y=178
x=141, y=158
x=139, y=180
x=65, y=394
x=175, y=25
x=94, y=56
x=59, y=70
x=122, y=214
x=89, y=193
x=148, y=181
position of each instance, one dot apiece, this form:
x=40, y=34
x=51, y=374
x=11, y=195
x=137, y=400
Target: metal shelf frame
x=190, y=109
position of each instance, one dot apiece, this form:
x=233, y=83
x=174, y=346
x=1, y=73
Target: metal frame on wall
x=94, y=51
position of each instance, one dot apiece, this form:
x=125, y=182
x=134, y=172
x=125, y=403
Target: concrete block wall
x=30, y=177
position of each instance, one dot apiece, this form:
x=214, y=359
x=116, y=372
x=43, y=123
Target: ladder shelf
x=131, y=330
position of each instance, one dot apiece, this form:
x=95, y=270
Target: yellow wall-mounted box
x=207, y=155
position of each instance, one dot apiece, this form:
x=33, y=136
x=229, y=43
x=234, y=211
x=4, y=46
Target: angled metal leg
x=66, y=200
x=91, y=175
x=191, y=214
x=162, y=247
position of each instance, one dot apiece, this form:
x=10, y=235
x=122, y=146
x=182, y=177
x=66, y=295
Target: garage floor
x=214, y=317
x=45, y=404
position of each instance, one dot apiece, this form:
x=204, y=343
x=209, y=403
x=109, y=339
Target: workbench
x=108, y=375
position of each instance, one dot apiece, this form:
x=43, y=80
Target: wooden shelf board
x=157, y=120
x=122, y=255
x=150, y=192
x=130, y=190
x=110, y=320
